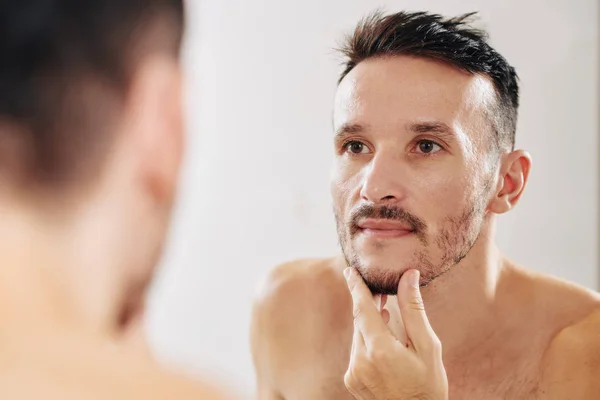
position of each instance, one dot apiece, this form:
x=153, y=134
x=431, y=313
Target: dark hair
x=449, y=40
x=58, y=59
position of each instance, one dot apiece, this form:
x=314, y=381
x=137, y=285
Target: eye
x=428, y=147
x=356, y=147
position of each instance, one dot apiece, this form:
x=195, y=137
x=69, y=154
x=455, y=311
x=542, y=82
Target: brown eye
x=428, y=147
x=355, y=147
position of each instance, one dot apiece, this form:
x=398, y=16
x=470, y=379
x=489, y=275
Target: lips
x=384, y=228
x=380, y=224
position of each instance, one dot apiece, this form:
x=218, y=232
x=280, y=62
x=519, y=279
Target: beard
x=456, y=237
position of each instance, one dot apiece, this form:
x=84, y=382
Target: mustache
x=388, y=212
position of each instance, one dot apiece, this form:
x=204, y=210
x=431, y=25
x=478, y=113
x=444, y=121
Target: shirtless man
x=424, y=120
x=91, y=138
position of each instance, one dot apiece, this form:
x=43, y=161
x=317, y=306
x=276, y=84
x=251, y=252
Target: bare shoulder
x=298, y=293
x=170, y=384
x=76, y=371
x=310, y=281
x=297, y=307
x=571, y=363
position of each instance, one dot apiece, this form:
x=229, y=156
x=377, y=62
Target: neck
x=44, y=284
x=462, y=305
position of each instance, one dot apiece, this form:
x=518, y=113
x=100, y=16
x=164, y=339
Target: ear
x=514, y=173
x=155, y=106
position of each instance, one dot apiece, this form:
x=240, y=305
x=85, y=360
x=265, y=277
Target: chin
x=381, y=281
x=382, y=273
x=387, y=260
x=381, y=276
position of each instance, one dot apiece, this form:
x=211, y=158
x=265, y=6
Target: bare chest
x=492, y=380
x=497, y=376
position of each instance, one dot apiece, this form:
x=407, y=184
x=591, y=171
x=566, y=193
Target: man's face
x=414, y=167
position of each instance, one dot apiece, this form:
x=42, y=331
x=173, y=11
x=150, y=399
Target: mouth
x=384, y=229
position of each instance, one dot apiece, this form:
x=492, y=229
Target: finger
x=417, y=326
x=385, y=315
x=356, y=387
x=352, y=382
x=358, y=343
x=395, y=323
x=383, y=301
x=367, y=318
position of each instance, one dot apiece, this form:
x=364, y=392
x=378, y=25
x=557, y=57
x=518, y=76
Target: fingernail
x=413, y=278
x=347, y=273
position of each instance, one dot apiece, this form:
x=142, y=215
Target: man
x=424, y=119
x=91, y=139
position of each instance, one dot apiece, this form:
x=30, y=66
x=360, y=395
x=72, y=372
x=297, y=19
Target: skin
x=383, y=367
x=505, y=332
x=74, y=265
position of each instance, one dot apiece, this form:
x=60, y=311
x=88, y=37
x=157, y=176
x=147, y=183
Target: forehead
x=401, y=89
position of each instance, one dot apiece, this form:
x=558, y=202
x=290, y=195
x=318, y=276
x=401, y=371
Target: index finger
x=367, y=317
x=413, y=314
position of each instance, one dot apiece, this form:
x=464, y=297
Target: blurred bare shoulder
x=179, y=386
x=298, y=308
x=92, y=370
x=288, y=281
x=300, y=289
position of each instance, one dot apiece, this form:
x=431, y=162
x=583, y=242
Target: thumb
x=413, y=314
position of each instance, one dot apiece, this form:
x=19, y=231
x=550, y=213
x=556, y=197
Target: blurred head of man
x=425, y=117
x=91, y=139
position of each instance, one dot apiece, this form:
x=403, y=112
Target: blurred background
x=261, y=80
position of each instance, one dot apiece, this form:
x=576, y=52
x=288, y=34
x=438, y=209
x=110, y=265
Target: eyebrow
x=349, y=129
x=439, y=128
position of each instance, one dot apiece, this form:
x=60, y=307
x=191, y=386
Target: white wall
x=255, y=188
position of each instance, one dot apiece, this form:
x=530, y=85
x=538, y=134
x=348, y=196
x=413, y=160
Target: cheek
x=344, y=185
x=444, y=192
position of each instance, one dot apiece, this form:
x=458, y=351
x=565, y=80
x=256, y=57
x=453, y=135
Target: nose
x=383, y=180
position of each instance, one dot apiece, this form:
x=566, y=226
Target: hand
x=381, y=366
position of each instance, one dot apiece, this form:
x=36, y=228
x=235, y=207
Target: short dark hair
x=450, y=40
x=57, y=59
